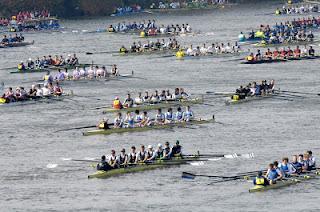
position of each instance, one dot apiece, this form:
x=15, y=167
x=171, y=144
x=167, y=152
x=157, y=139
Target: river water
x=270, y=128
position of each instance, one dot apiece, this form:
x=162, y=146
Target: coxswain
x=142, y=155
x=160, y=117
x=113, y=160
x=297, y=52
x=21, y=66
x=48, y=78
x=187, y=114
x=177, y=150
x=118, y=121
x=129, y=120
x=132, y=156
x=272, y=174
x=169, y=116
x=128, y=102
x=104, y=165
x=123, y=50
x=250, y=57
x=311, y=51
x=122, y=159
x=260, y=180
x=180, y=53
x=103, y=124
x=151, y=154
x=57, y=89
x=116, y=103
x=159, y=151
x=167, y=153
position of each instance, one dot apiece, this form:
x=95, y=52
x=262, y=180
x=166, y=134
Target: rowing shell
x=49, y=68
x=166, y=104
x=142, y=167
x=281, y=60
x=282, y=183
x=147, y=52
x=142, y=129
x=229, y=101
x=16, y=44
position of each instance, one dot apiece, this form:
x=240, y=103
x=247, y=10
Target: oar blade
x=187, y=175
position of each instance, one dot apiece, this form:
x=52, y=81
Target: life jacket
x=260, y=181
x=46, y=77
x=20, y=67
x=123, y=50
x=235, y=97
x=116, y=104
x=142, y=34
x=101, y=125
x=249, y=58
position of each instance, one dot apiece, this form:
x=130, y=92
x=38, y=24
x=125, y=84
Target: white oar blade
x=200, y=163
x=214, y=159
x=52, y=165
x=231, y=156
x=66, y=159
x=249, y=155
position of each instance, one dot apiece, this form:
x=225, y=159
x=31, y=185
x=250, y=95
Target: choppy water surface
x=270, y=128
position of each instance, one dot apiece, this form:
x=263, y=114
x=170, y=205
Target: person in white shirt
x=46, y=91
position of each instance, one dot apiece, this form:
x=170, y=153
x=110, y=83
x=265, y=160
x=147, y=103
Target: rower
x=280, y=171
x=142, y=155
x=114, y=70
x=128, y=102
x=57, y=90
x=169, y=116
x=275, y=53
x=30, y=64
x=117, y=104
x=103, y=124
x=179, y=115
x=138, y=100
x=250, y=57
x=5, y=40
x=258, y=55
x=167, y=152
x=137, y=118
x=104, y=165
x=159, y=152
x=272, y=174
x=155, y=98
x=160, y=117
x=177, y=150
x=129, y=120
x=268, y=54
x=289, y=52
x=176, y=95
x=151, y=154
x=286, y=167
x=312, y=160
x=260, y=180
x=146, y=97
x=296, y=165
x=118, y=121
x=311, y=51
x=113, y=160
x=59, y=76
x=122, y=159
x=168, y=96
x=297, y=52
x=162, y=96
x=145, y=119
x=183, y=94
x=188, y=114
x=132, y=156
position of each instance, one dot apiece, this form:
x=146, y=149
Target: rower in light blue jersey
x=188, y=114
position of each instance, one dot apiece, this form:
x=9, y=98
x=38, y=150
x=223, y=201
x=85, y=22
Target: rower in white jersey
x=146, y=97
x=203, y=50
x=168, y=96
x=91, y=72
x=66, y=74
x=162, y=96
x=190, y=51
x=151, y=154
x=83, y=72
x=132, y=156
x=169, y=116
x=188, y=114
x=142, y=155
x=179, y=115
x=210, y=49
x=118, y=121
x=304, y=51
x=222, y=48
x=188, y=28
x=176, y=95
x=312, y=160
x=155, y=98
x=183, y=94
x=138, y=100
x=100, y=72
x=228, y=48
x=129, y=120
x=160, y=117
x=76, y=74
x=122, y=159
x=113, y=160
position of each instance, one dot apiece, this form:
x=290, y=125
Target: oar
x=76, y=128
x=297, y=92
x=192, y=176
x=106, y=52
x=8, y=68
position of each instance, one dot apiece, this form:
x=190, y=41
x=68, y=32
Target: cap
x=123, y=150
x=150, y=147
x=159, y=145
x=167, y=143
